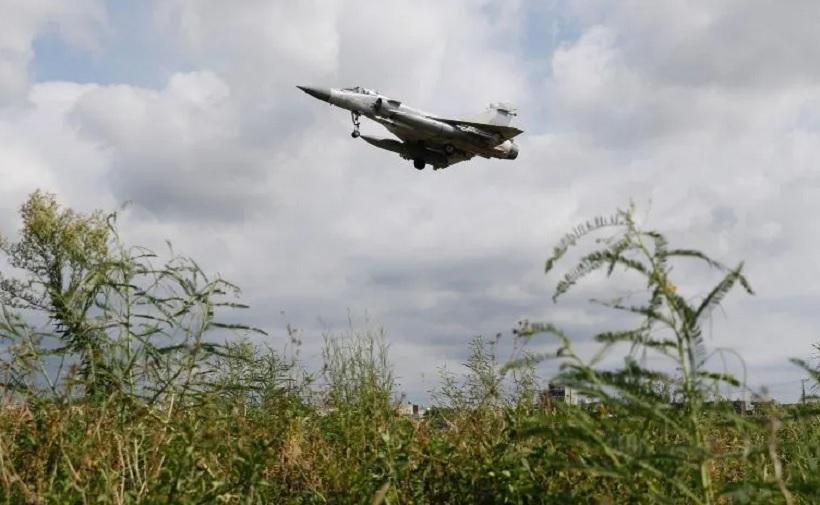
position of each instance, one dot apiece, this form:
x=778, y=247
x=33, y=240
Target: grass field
x=117, y=388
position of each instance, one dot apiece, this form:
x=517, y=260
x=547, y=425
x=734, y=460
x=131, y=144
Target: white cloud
x=77, y=22
x=176, y=151
x=40, y=149
x=265, y=39
x=734, y=43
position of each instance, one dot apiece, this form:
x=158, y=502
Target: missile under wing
x=425, y=138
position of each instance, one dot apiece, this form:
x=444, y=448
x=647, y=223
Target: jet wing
x=433, y=152
x=505, y=132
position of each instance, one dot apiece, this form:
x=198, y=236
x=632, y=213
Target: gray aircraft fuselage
x=425, y=138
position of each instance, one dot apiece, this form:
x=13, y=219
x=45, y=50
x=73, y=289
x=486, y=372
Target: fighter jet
x=425, y=138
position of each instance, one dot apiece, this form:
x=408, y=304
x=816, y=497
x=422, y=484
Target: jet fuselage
x=425, y=137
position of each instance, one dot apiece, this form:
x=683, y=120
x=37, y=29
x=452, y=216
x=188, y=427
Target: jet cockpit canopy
x=361, y=90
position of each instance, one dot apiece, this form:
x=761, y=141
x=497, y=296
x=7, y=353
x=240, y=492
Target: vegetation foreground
x=117, y=388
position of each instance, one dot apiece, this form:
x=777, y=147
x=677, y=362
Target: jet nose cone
x=322, y=94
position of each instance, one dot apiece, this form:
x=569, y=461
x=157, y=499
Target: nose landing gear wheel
x=354, y=116
x=419, y=164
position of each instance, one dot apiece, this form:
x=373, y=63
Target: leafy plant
x=111, y=320
x=115, y=390
x=669, y=324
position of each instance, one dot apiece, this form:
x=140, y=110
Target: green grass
x=288, y=451
x=116, y=389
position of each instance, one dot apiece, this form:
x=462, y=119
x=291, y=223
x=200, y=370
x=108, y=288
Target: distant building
x=559, y=394
x=412, y=410
x=743, y=407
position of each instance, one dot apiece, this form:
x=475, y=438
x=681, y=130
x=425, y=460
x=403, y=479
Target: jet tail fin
x=499, y=114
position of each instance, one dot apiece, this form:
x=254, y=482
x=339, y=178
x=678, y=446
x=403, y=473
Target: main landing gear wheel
x=419, y=164
x=354, y=116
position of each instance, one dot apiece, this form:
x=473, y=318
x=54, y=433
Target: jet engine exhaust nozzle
x=513, y=152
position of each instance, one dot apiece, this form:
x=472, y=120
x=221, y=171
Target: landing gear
x=449, y=148
x=354, y=116
x=419, y=164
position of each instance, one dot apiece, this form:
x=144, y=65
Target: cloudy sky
x=706, y=114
